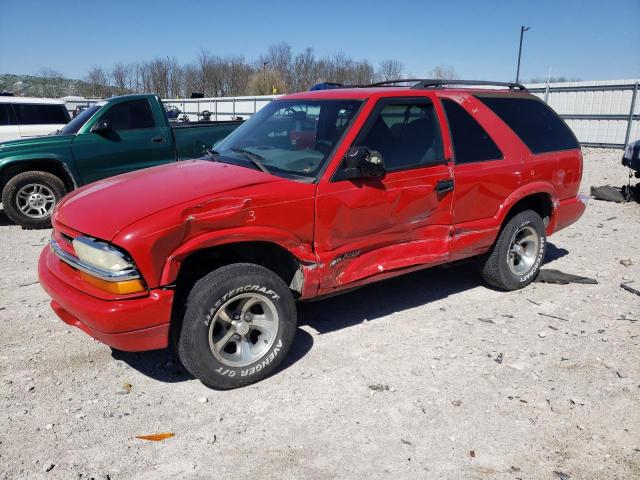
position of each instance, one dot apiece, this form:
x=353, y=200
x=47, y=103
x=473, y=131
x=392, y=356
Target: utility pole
x=522, y=30
x=264, y=73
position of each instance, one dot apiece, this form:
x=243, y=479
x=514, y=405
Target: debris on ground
x=552, y=316
x=629, y=289
x=498, y=359
x=456, y=403
x=472, y=453
x=48, y=467
x=156, y=437
x=626, y=262
x=561, y=475
x=379, y=387
x=608, y=193
x=406, y=442
x=548, y=275
x=126, y=388
x=486, y=320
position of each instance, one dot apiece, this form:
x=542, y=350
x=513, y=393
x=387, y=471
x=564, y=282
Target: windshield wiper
x=253, y=158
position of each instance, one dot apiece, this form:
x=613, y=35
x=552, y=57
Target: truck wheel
x=30, y=197
x=516, y=257
x=238, y=326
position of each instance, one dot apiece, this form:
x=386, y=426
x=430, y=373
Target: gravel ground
x=431, y=375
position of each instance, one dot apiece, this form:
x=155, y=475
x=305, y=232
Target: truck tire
x=30, y=197
x=516, y=257
x=239, y=324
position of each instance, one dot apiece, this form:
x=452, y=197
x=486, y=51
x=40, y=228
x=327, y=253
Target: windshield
x=74, y=125
x=290, y=137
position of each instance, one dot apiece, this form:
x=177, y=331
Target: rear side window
x=130, y=115
x=30, y=114
x=6, y=115
x=471, y=143
x=534, y=122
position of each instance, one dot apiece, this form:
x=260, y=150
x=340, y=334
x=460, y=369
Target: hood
x=103, y=208
x=46, y=140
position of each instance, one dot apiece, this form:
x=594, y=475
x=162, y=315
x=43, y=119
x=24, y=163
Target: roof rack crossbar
x=421, y=83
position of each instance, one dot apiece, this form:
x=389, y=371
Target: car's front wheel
x=239, y=323
x=515, y=259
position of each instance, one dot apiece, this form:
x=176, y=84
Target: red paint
x=343, y=234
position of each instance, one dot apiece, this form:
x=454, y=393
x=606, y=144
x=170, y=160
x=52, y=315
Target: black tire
x=10, y=197
x=495, y=266
x=225, y=286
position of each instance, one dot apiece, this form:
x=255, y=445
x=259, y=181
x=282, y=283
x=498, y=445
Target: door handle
x=444, y=186
x=158, y=139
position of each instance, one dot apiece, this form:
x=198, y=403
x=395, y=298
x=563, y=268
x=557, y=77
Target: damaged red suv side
x=319, y=192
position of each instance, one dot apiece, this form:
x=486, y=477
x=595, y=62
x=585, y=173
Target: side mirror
x=362, y=162
x=101, y=126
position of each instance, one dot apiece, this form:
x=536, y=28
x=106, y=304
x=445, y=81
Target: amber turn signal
x=117, y=288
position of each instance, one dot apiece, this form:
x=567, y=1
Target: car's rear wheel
x=516, y=257
x=30, y=197
x=239, y=323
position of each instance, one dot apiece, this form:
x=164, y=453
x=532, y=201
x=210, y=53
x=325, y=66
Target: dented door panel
x=367, y=227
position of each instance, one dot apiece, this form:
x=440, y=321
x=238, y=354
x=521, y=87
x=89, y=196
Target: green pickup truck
x=114, y=136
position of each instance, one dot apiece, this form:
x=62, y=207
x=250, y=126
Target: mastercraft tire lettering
x=239, y=324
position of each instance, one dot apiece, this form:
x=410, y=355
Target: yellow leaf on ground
x=156, y=437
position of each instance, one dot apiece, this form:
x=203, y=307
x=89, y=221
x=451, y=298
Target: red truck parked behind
x=319, y=192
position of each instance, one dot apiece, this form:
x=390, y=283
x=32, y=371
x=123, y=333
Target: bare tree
x=266, y=82
x=97, y=83
x=304, y=71
x=444, y=72
x=236, y=76
x=279, y=58
x=120, y=78
x=390, y=70
x=50, y=83
x=211, y=74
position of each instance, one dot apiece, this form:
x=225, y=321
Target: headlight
x=104, y=266
x=100, y=255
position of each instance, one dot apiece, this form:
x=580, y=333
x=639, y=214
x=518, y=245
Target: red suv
x=318, y=193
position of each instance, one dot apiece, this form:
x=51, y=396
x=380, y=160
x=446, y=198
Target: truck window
x=131, y=115
x=6, y=115
x=30, y=114
x=471, y=143
x=74, y=125
x=539, y=127
x=405, y=133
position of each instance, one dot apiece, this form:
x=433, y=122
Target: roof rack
x=421, y=83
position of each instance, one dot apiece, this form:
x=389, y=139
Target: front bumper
x=130, y=324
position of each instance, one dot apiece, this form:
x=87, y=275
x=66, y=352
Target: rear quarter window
x=30, y=114
x=539, y=127
x=471, y=143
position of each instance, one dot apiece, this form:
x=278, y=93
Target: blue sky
x=588, y=39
